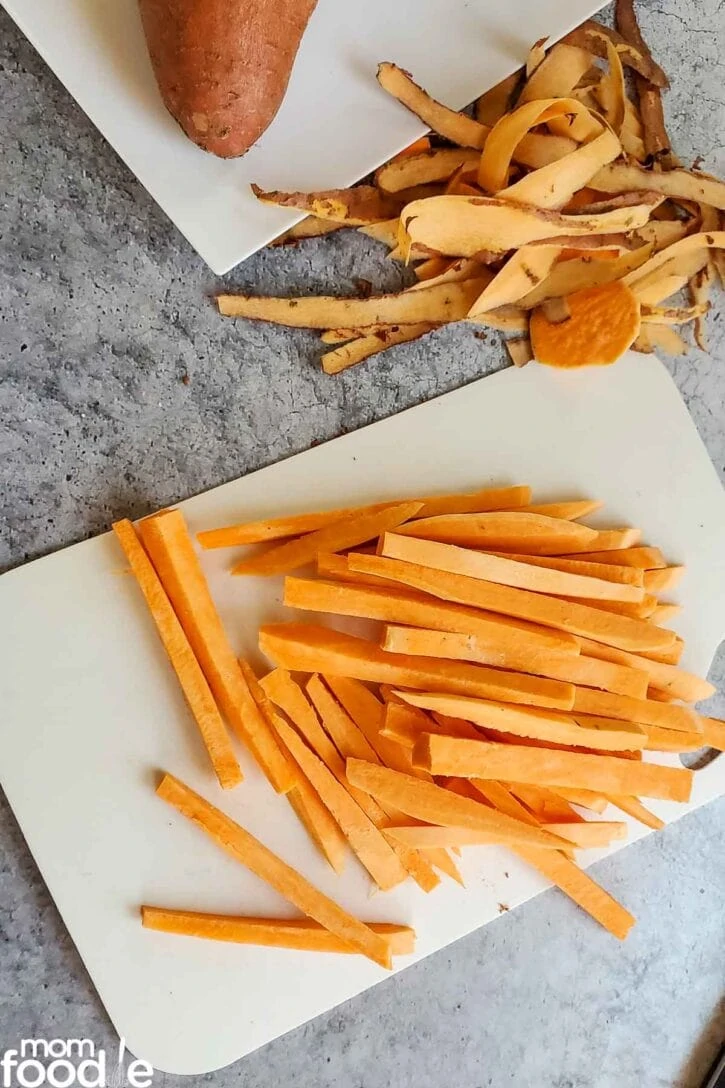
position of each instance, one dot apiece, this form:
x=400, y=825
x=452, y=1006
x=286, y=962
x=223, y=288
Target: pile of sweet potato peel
x=563, y=182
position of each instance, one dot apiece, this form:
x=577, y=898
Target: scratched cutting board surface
x=335, y=124
x=91, y=708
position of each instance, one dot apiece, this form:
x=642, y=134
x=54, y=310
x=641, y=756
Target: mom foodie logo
x=70, y=1063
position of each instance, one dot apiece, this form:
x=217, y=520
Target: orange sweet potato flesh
x=222, y=67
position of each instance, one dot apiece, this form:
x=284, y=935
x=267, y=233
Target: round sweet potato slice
x=602, y=323
x=222, y=66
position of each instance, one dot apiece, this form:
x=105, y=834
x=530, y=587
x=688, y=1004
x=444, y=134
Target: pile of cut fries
x=558, y=213
x=519, y=677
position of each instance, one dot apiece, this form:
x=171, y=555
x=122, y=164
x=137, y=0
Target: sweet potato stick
x=259, y=532
x=713, y=733
x=423, y=837
x=529, y=722
x=480, y=759
x=433, y=804
x=590, y=833
x=570, y=511
x=508, y=572
x=571, y=669
x=672, y=740
x=505, y=531
x=351, y=741
x=171, y=551
x=644, y=711
x=577, y=619
x=545, y=805
x=580, y=887
x=637, y=557
x=594, y=802
x=191, y=677
x=610, y=572
x=665, y=678
x=399, y=605
x=301, y=934
x=374, y=852
x=268, y=867
x=345, y=533
x=634, y=808
x=663, y=580
x=308, y=648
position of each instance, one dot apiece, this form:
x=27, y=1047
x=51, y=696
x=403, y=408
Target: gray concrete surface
x=121, y=390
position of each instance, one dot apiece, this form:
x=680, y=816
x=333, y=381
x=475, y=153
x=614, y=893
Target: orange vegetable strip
x=570, y=511
x=404, y=724
x=319, y=823
x=545, y=805
x=575, y=618
x=372, y=849
x=541, y=766
x=663, y=613
x=610, y=572
x=301, y=934
x=580, y=887
x=595, y=802
x=566, y=667
x=433, y=804
x=505, y=531
x=345, y=533
x=258, y=532
x=669, y=655
x=590, y=833
x=613, y=540
x=643, y=558
x=663, y=579
x=531, y=723
x=634, y=808
x=500, y=797
x=443, y=861
x=402, y=605
x=643, y=711
x=351, y=741
x=334, y=568
x=183, y=660
x=673, y=740
x=308, y=648
x=508, y=572
x=170, y=548
x=424, y=837
x=275, y=872
x=713, y=733
x=640, y=611
x=667, y=678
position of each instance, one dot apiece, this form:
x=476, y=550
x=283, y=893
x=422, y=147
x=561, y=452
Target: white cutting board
x=335, y=124
x=92, y=710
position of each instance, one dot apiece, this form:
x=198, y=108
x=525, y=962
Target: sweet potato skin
x=222, y=66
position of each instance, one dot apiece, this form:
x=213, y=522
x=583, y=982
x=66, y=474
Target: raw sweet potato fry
x=308, y=648
x=673, y=740
x=404, y=724
x=319, y=823
x=345, y=533
x=580, y=887
x=425, y=837
x=509, y=572
x=663, y=613
x=578, y=619
x=544, y=805
x=188, y=670
x=614, y=540
x=433, y=804
x=570, y=668
x=504, y=531
x=570, y=511
x=368, y=843
x=667, y=678
x=634, y=808
x=643, y=711
x=301, y=934
x=170, y=548
x=590, y=833
x=275, y=872
x=497, y=796
x=663, y=580
x=638, y=557
x=610, y=572
x=528, y=722
x=589, y=799
x=638, y=610
x=481, y=759
x=713, y=733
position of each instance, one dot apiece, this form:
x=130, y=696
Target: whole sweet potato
x=223, y=65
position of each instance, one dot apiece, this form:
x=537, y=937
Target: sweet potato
x=223, y=68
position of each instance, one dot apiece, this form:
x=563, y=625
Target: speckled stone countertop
x=121, y=391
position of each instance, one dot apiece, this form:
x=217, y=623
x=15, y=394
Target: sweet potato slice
x=713, y=733
x=170, y=548
x=433, y=804
x=570, y=511
x=570, y=668
x=608, y=774
x=398, y=605
x=590, y=833
x=611, y=572
x=503, y=531
x=577, y=619
x=639, y=558
x=663, y=580
x=183, y=660
x=346, y=533
x=282, y=877
x=634, y=808
x=301, y=934
x=493, y=568
x=603, y=323
x=531, y=723
x=666, y=678
x=307, y=648
x=643, y=711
